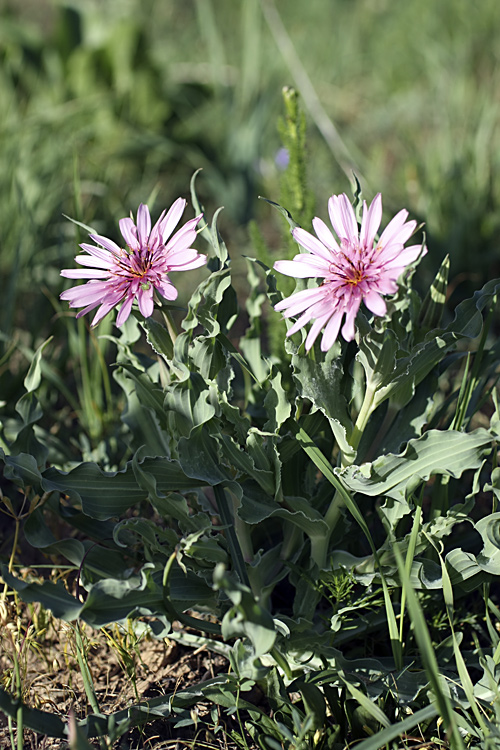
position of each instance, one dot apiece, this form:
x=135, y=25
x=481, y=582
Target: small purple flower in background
x=355, y=268
x=282, y=158
x=119, y=275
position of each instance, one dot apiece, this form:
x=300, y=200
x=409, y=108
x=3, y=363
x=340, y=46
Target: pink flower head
x=354, y=268
x=121, y=275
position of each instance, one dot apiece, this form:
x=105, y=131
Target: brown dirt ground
x=51, y=678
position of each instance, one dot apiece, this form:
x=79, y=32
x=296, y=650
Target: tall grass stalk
x=410, y=554
x=319, y=549
x=86, y=675
x=424, y=641
x=307, y=90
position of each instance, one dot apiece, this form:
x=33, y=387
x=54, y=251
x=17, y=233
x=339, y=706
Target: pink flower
x=354, y=268
x=121, y=275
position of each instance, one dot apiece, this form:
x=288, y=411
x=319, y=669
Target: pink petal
x=406, y=256
x=307, y=269
x=299, y=301
x=314, y=261
x=342, y=217
x=81, y=273
x=184, y=236
x=180, y=241
x=393, y=227
x=402, y=236
x=311, y=243
x=124, y=311
x=300, y=323
x=172, y=218
x=386, y=284
x=106, y=243
x=129, y=233
x=101, y=313
x=90, y=307
x=375, y=303
x=315, y=329
x=167, y=289
x=325, y=236
x=78, y=296
x=371, y=222
x=351, y=312
x=145, y=300
x=155, y=236
x=88, y=260
x=143, y=224
x=331, y=331
x=98, y=252
x=186, y=260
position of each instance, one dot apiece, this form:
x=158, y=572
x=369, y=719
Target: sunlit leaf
x=394, y=475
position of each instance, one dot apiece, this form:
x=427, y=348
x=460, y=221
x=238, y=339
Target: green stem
x=410, y=554
x=281, y=662
x=465, y=395
x=169, y=322
x=85, y=672
x=19, y=715
x=188, y=620
x=87, y=677
x=291, y=537
x=440, y=501
x=227, y=518
x=104, y=372
x=14, y=546
x=334, y=512
x=361, y=422
x=320, y=548
x=10, y=566
x=243, y=536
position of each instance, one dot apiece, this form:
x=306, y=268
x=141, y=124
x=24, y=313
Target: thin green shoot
x=320, y=549
x=410, y=554
x=428, y=655
x=465, y=680
x=86, y=674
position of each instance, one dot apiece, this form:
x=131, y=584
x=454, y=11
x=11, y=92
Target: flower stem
x=319, y=550
x=319, y=547
x=169, y=322
x=333, y=513
x=10, y=566
x=226, y=515
x=362, y=420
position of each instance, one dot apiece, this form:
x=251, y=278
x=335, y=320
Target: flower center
x=136, y=263
x=349, y=268
x=353, y=276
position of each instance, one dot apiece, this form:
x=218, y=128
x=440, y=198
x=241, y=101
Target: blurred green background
x=108, y=103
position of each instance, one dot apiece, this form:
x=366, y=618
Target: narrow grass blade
x=409, y=557
x=396, y=730
x=324, y=466
x=463, y=672
x=368, y=705
x=232, y=539
x=428, y=655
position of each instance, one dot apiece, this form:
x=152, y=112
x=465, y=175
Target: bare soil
x=124, y=671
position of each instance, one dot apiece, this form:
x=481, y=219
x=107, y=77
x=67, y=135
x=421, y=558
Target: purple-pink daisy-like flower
x=354, y=268
x=121, y=275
